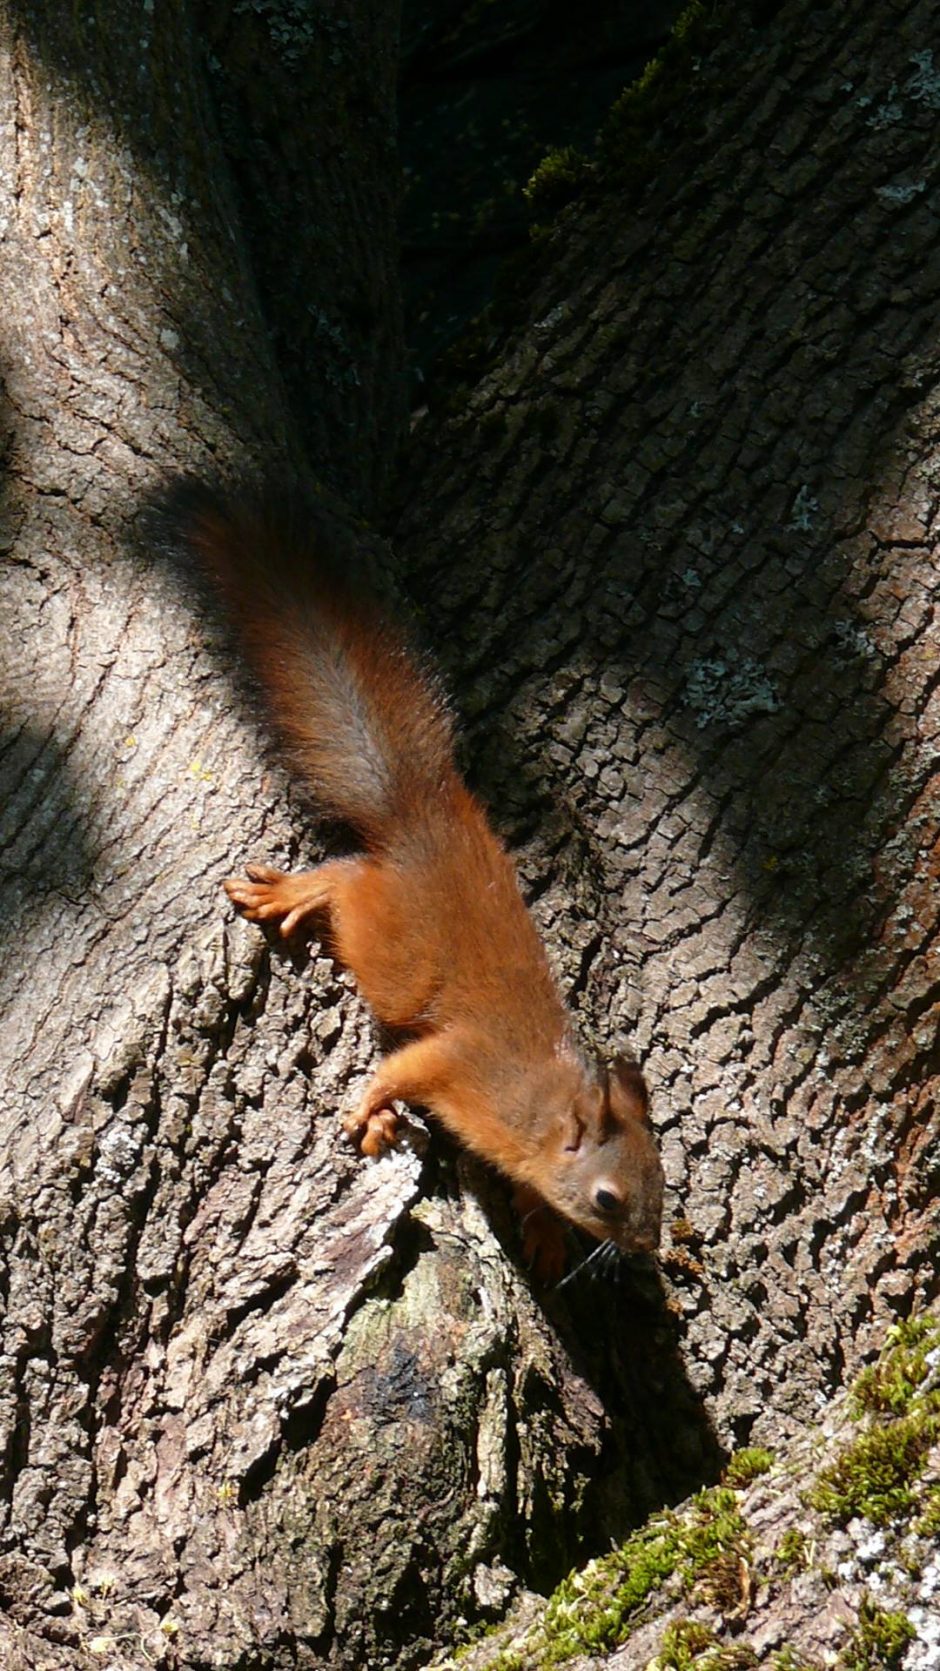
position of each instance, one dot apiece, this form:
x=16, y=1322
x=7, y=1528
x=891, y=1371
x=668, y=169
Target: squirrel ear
x=572, y=1129
x=628, y=1091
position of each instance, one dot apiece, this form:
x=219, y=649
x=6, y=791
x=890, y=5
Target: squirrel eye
x=605, y=1200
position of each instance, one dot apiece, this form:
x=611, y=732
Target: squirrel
x=428, y=916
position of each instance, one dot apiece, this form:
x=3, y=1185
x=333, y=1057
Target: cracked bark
x=261, y=1403
x=707, y=505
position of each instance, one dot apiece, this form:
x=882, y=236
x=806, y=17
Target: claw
x=264, y=873
x=264, y=894
x=374, y=1131
x=256, y=899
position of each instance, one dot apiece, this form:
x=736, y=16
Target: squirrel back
x=365, y=725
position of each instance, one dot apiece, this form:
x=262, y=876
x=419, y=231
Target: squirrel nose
x=646, y=1243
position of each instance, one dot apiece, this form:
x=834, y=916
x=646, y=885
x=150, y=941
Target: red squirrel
x=428, y=917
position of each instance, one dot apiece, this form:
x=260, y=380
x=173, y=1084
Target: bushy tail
x=365, y=726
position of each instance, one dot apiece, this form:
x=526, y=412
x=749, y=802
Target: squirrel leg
x=543, y=1236
x=413, y=1074
x=268, y=895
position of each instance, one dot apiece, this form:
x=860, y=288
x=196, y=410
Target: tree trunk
x=685, y=534
x=262, y=1403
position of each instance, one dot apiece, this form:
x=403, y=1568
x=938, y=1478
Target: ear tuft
x=628, y=1080
x=572, y=1129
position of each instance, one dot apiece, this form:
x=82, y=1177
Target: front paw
x=261, y=894
x=543, y=1236
x=543, y=1247
x=372, y=1130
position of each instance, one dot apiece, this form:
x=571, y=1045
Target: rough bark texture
x=147, y=1126
x=304, y=98
x=688, y=528
x=825, y=1561
x=265, y=1406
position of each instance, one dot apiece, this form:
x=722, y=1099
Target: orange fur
x=429, y=917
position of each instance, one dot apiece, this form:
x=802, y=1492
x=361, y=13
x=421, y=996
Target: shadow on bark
x=264, y=145
x=48, y=839
x=618, y=618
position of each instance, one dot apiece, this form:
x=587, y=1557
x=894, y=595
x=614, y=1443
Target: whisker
x=570, y=1277
x=589, y=1260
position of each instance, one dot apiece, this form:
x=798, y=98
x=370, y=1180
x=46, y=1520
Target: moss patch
x=690, y=1646
x=928, y=1523
x=877, y=1475
x=747, y=1465
x=629, y=143
x=707, y=1557
x=897, y=1381
x=626, y=136
x=556, y=181
x=792, y=1553
x=594, y=1611
x=787, y=1659
x=879, y=1641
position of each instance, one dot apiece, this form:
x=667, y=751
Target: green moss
x=683, y=1645
x=593, y=1608
x=928, y=1524
x=690, y=1646
x=626, y=150
x=787, y=1659
x=684, y=1639
x=747, y=1465
x=594, y=1611
x=660, y=88
x=879, y=1641
x=556, y=181
x=707, y=1548
x=792, y=1552
x=876, y=1475
x=715, y=1529
x=890, y=1386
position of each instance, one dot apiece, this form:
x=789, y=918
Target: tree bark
x=261, y=1403
x=685, y=532
x=252, y=1405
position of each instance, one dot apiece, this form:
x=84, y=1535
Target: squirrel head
x=602, y=1166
